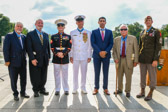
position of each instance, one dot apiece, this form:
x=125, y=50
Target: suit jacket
x=13, y=51
x=131, y=50
x=36, y=50
x=99, y=45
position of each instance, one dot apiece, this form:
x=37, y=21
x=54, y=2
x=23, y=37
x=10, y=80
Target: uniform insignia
x=65, y=38
x=74, y=35
x=150, y=34
x=85, y=37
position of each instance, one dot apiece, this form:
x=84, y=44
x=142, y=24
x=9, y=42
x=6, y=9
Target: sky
x=116, y=12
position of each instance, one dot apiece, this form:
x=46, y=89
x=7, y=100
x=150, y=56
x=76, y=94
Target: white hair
x=18, y=23
x=38, y=20
x=122, y=26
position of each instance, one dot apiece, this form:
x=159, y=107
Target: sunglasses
x=60, y=25
x=123, y=29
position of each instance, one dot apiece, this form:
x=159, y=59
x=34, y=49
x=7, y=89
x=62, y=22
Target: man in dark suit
x=15, y=58
x=38, y=49
x=102, y=43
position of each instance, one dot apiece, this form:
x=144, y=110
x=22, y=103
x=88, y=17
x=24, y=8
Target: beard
x=18, y=31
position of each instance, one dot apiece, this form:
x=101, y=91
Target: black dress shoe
x=16, y=98
x=66, y=93
x=118, y=92
x=44, y=92
x=57, y=93
x=25, y=95
x=128, y=95
x=36, y=94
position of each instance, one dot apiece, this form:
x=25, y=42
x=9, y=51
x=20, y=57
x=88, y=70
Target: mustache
x=18, y=31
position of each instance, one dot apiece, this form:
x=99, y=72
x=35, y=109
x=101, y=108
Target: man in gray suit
x=125, y=54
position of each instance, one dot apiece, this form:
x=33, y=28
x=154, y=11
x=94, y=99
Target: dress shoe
x=66, y=92
x=128, y=95
x=57, y=93
x=149, y=96
x=16, y=98
x=74, y=92
x=84, y=91
x=141, y=94
x=44, y=92
x=118, y=92
x=36, y=94
x=25, y=95
x=95, y=91
x=106, y=92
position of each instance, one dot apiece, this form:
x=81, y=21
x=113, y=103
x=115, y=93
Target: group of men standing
x=77, y=48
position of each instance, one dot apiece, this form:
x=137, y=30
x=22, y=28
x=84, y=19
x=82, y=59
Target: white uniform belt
x=60, y=48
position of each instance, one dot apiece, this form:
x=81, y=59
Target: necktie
x=123, y=49
x=102, y=34
x=41, y=39
x=20, y=42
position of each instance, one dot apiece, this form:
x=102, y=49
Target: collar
x=123, y=39
x=60, y=33
x=18, y=35
x=149, y=29
x=80, y=30
x=40, y=33
x=102, y=29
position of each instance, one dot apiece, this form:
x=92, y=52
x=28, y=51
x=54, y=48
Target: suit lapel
x=17, y=39
x=105, y=36
x=99, y=34
x=37, y=37
x=127, y=43
x=119, y=44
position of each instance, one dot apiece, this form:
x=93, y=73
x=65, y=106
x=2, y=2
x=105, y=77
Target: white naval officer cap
x=80, y=17
x=60, y=21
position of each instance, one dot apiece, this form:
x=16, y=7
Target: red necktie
x=123, y=49
x=102, y=34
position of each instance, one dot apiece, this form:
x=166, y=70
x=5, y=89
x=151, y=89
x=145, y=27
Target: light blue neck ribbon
x=149, y=29
x=80, y=30
x=18, y=35
x=40, y=33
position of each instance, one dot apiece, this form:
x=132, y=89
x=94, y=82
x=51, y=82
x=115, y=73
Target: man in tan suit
x=125, y=54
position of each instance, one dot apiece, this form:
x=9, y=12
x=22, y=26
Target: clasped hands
x=60, y=55
x=102, y=54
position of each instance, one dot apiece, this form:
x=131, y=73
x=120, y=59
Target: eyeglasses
x=60, y=25
x=123, y=29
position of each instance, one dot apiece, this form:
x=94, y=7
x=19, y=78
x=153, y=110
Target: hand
x=135, y=64
x=71, y=59
x=155, y=63
x=34, y=62
x=89, y=59
x=103, y=54
x=116, y=61
x=60, y=55
x=7, y=63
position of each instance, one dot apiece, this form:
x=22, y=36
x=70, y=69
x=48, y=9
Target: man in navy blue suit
x=15, y=58
x=102, y=43
x=38, y=49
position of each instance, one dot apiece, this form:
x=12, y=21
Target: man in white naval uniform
x=81, y=53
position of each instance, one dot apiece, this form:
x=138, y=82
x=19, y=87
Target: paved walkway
x=80, y=102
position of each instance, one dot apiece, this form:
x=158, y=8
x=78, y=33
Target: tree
x=116, y=32
x=5, y=25
x=135, y=29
